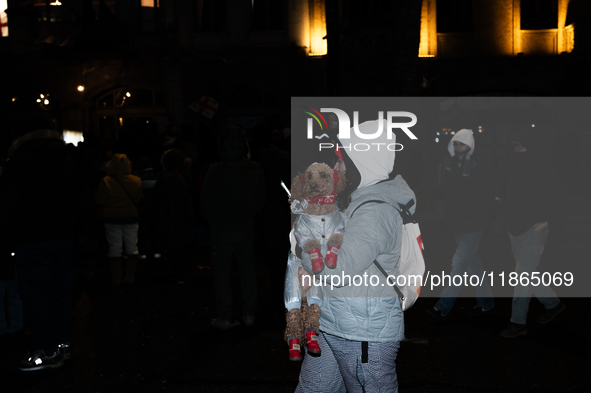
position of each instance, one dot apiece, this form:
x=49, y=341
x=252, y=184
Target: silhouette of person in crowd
x=45, y=195
x=534, y=201
x=120, y=192
x=11, y=316
x=270, y=228
x=173, y=193
x=467, y=189
x=232, y=194
x=148, y=210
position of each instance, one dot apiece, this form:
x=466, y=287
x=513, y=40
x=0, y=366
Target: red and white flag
x=206, y=106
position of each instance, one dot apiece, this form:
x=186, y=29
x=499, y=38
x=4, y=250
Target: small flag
x=206, y=106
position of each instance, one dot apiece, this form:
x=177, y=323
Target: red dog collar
x=324, y=200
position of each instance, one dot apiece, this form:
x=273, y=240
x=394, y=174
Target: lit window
x=148, y=13
x=539, y=14
x=151, y=3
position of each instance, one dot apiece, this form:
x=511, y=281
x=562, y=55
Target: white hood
x=465, y=136
x=373, y=165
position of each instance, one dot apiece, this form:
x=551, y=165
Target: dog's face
x=318, y=180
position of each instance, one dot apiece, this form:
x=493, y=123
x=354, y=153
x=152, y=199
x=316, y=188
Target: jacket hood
x=465, y=136
x=394, y=192
x=373, y=166
x=119, y=165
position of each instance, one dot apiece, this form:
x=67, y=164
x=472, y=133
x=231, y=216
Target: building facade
x=106, y=67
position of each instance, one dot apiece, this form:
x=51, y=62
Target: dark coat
x=173, y=195
x=232, y=194
x=234, y=189
x=44, y=194
x=467, y=190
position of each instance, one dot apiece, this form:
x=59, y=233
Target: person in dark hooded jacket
x=173, y=194
x=466, y=187
x=232, y=195
x=534, y=201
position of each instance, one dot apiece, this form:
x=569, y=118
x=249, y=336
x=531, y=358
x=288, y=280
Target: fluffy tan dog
x=314, y=192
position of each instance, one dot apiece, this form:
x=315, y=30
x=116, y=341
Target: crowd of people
x=153, y=206
x=54, y=195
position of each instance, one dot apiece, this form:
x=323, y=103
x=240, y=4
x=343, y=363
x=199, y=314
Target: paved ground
x=154, y=336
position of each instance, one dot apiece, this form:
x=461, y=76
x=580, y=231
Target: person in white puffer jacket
x=362, y=325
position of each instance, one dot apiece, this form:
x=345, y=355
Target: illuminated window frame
x=150, y=3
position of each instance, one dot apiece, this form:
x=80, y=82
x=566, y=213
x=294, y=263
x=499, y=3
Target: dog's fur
x=319, y=181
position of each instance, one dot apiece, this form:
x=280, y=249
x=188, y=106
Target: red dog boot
x=312, y=343
x=316, y=257
x=331, y=256
x=294, y=350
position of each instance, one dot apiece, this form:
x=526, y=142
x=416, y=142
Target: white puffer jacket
x=367, y=309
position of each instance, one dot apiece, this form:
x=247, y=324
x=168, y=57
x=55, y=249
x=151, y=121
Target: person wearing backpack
x=120, y=192
x=361, y=326
x=466, y=187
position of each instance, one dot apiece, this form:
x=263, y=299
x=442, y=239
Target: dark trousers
x=44, y=272
x=224, y=246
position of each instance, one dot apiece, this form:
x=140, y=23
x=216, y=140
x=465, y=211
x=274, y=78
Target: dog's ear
x=297, y=188
x=341, y=184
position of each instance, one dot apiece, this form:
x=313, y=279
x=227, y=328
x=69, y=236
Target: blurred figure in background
x=11, y=316
x=148, y=210
x=466, y=186
x=173, y=194
x=232, y=194
x=534, y=203
x=120, y=192
x=271, y=227
x=45, y=195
